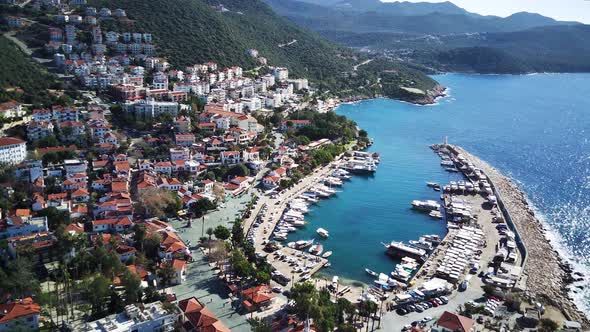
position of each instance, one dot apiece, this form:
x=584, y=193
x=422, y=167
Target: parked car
x=426, y=319
x=444, y=299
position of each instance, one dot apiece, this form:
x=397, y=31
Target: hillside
x=551, y=49
x=192, y=31
x=444, y=37
x=19, y=72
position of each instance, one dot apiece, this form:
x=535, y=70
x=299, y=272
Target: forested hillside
x=20, y=77
x=193, y=31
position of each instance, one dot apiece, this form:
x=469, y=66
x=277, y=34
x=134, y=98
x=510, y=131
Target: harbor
x=282, y=214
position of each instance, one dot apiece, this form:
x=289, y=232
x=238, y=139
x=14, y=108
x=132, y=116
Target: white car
x=277, y=289
x=426, y=319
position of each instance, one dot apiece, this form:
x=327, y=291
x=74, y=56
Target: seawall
x=547, y=275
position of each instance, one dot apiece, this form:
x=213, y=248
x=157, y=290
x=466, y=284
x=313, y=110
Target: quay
x=545, y=275
x=271, y=217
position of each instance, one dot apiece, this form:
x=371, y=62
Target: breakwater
x=547, y=274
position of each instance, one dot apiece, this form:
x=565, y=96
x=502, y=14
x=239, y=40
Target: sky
x=563, y=10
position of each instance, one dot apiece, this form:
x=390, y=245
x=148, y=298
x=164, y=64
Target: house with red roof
x=450, y=322
x=230, y=157
x=125, y=252
x=112, y=225
x=184, y=139
x=23, y=314
x=81, y=195
x=197, y=318
x=257, y=298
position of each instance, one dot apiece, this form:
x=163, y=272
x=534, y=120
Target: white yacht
x=322, y=232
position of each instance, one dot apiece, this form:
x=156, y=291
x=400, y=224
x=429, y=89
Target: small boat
x=435, y=214
x=327, y=254
x=432, y=184
x=316, y=249
x=372, y=273
x=322, y=232
x=328, y=264
x=451, y=169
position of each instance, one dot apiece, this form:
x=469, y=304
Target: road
x=11, y=35
x=361, y=64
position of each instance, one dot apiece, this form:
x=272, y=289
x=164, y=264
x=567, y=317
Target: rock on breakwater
x=547, y=275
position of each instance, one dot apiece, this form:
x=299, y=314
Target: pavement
x=201, y=280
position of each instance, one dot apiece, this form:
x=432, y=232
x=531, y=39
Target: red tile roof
x=10, y=141
x=15, y=310
x=455, y=322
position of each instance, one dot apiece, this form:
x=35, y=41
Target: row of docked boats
x=418, y=250
x=362, y=163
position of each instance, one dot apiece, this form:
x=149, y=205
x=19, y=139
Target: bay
x=534, y=128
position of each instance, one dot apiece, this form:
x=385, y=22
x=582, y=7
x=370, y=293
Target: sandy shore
x=547, y=275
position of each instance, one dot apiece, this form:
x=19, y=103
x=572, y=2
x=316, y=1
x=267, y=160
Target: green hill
x=20, y=77
x=193, y=31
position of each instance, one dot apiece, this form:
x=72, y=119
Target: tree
x=55, y=217
x=237, y=170
x=132, y=285
x=547, y=325
x=210, y=232
x=166, y=273
x=259, y=325
x=221, y=233
x=139, y=234
x=156, y=201
x=152, y=245
x=199, y=208
x=237, y=233
x=97, y=290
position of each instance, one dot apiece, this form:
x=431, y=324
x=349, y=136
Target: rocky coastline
x=548, y=276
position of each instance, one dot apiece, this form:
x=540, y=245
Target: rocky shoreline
x=547, y=274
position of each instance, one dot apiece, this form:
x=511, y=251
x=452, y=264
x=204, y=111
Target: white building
x=12, y=150
x=141, y=318
x=151, y=108
x=281, y=73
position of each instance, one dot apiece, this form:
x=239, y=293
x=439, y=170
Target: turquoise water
x=533, y=128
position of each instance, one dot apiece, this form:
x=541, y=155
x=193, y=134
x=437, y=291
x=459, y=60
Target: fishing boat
x=372, y=273
x=322, y=232
x=327, y=254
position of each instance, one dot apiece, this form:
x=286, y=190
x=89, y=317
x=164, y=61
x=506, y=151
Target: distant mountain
x=446, y=37
x=422, y=17
x=551, y=49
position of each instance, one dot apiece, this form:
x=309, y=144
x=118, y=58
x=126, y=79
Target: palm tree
x=210, y=233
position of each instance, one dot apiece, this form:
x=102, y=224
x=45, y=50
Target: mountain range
x=444, y=36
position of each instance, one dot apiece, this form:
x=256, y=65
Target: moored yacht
x=322, y=232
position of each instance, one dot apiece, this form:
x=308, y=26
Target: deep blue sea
x=534, y=128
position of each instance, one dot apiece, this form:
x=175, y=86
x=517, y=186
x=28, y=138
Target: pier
x=545, y=275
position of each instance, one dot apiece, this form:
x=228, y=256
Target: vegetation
x=21, y=78
x=192, y=31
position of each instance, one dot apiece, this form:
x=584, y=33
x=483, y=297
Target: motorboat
x=370, y=272
x=327, y=254
x=322, y=232
x=435, y=214
x=300, y=244
x=316, y=249
x=428, y=205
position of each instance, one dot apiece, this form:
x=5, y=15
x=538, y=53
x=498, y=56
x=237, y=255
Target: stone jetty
x=547, y=275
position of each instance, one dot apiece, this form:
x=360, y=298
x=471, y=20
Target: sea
x=533, y=128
